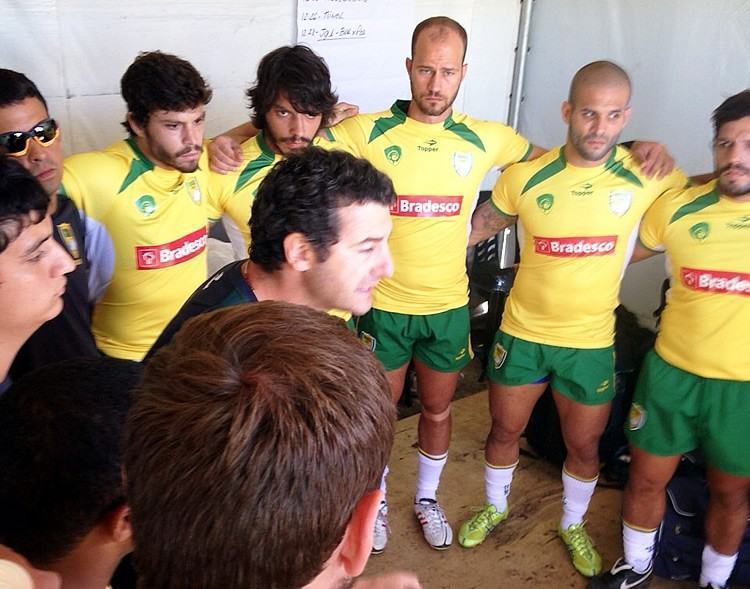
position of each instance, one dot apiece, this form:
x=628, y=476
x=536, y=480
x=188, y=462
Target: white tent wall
x=77, y=50
x=684, y=56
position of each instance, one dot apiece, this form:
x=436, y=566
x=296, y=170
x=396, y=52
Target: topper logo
x=426, y=206
x=575, y=247
x=716, y=281
x=153, y=257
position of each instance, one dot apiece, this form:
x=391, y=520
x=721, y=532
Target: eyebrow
x=35, y=246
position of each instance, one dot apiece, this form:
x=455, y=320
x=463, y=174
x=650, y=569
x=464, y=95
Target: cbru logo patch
x=636, y=417
x=408, y=205
x=575, y=247
x=699, y=231
x=146, y=204
x=154, y=257
x=368, y=340
x=499, y=353
x=545, y=202
x=393, y=154
x=71, y=243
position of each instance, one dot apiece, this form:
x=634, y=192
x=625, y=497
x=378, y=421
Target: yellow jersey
x=234, y=192
x=436, y=170
x=577, y=228
x=154, y=223
x=704, y=328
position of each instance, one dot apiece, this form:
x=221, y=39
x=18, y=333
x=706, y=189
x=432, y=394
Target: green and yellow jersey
x=436, y=170
x=577, y=228
x=153, y=221
x=234, y=192
x=704, y=328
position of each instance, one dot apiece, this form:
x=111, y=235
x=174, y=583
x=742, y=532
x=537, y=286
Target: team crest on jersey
x=499, y=353
x=393, y=154
x=742, y=222
x=194, y=190
x=146, y=204
x=636, y=417
x=699, y=231
x=620, y=201
x=463, y=161
x=70, y=241
x=368, y=340
x=545, y=202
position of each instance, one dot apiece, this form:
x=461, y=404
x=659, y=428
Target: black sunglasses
x=16, y=143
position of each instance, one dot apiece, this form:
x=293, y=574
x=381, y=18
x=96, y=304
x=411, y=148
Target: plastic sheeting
x=77, y=50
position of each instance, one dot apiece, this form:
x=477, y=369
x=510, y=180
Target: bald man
x=578, y=207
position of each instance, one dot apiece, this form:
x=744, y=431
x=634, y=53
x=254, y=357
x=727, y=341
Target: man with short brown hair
x=273, y=425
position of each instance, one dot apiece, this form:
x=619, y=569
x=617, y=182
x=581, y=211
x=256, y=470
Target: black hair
x=23, y=200
x=160, y=81
x=60, y=453
x=15, y=87
x=302, y=194
x=733, y=108
x=298, y=72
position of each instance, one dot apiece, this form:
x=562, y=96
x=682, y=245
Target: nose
x=433, y=83
x=37, y=152
x=62, y=262
x=297, y=124
x=385, y=268
x=192, y=135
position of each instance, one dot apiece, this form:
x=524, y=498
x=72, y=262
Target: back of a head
x=15, y=87
x=598, y=73
x=22, y=200
x=160, y=81
x=302, y=194
x=253, y=437
x=298, y=72
x=60, y=453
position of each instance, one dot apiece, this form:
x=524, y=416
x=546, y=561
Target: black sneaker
x=622, y=576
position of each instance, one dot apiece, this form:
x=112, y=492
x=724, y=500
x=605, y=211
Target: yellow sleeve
x=654, y=222
x=349, y=135
x=220, y=191
x=505, y=194
x=513, y=148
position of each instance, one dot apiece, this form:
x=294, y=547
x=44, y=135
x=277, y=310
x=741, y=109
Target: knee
x=504, y=433
x=734, y=500
x=436, y=414
x=641, y=484
x=584, y=450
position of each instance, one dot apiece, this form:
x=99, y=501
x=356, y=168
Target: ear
x=565, y=110
x=118, y=524
x=137, y=129
x=298, y=252
x=356, y=545
x=409, y=64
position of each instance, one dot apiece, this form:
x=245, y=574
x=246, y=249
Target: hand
x=41, y=579
x=395, y=580
x=343, y=110
x=224, y=154
x=654, y=159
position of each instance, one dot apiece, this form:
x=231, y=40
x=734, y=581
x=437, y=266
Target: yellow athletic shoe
x=475, y=530
x=586, y=559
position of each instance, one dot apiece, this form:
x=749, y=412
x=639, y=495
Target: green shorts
x=440, y=341
x=675, y=411
x=584, y=376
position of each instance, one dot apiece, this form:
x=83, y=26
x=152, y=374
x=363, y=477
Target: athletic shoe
x=435, y=526
x=586, y=559
x=622, y=576
x=475, y=530
x=380, y=532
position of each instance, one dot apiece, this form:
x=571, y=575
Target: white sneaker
x=380, y=531
x=435, y=528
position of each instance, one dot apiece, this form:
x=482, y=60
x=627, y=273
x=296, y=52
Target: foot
x=380, y=532
x=622, y=576
x=435, y=528
x=475, y=530
x=584, y=556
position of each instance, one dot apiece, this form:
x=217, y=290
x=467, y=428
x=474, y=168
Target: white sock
x=638, y=546
x=382, y=481
x=429, y=469
x=497, y=481
x=716, y=567
x=576, y=498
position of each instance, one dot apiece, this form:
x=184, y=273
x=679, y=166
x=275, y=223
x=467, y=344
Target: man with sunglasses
x=30, y=136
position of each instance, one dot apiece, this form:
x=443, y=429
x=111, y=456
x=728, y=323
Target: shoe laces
x=481, y=517
x=434, y=516
x=580, y=540
x=381, y=520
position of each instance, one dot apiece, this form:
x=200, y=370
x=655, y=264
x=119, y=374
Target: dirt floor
x=522, y=552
